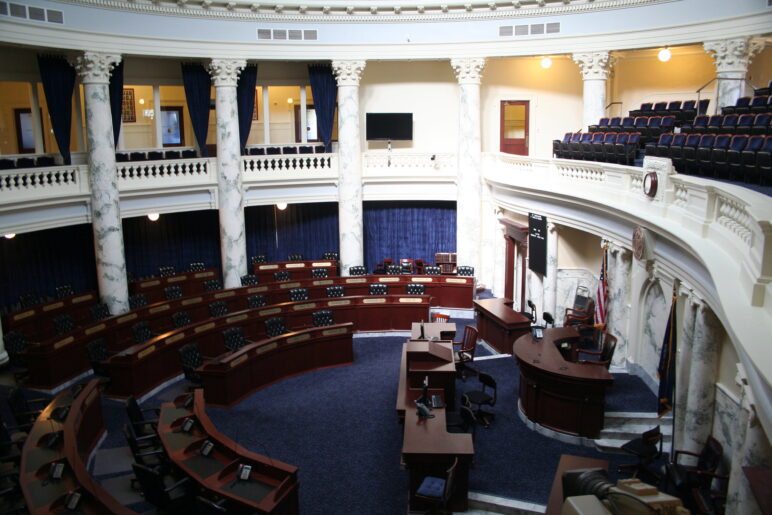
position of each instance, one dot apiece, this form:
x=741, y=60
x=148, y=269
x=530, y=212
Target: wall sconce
x=142, y=101
x=664, y=55
x=546, y=62
x=148, y=113
x=290, y=100
x=281, y=206
x=153, y=217
x=9, y=236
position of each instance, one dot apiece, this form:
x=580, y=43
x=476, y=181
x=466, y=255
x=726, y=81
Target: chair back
x=64, y=323
x=141, y=331
x=249, y=280
x=196, y=266
x=100, y=311
x=151, y=483
x=97, y=351
x=378, y=289
x=710, y=456
x=466, y=271
x=191, y=359
x=357, y=270
x=335, y=290
x=319, y=272
x=609, y=346
x=218, y=308
x=282, y=275
x=134, y=411
x=488, y=382
x=275, y=327
x=469, y=343
x=330, y=255
x=322, y=318
x=257, y=259
x=393, y=269
x=166, y=270
x=212, y=285
x=256, y=301
x=432, y=270
x=416, y=289
x=65, y=290
x=173, y=292
x=295, y=257
x=297, y=294
x=450, y=476
x=137, y=300
x=233, y=338
x=181, y=319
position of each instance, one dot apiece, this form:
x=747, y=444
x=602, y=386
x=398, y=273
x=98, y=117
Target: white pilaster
x=303, y=115
x=499, y=258
x=551, y=280
x=157, y=122
x=732, y=57
x=37, y=123
x=468, y=205
x=94, y=70
x=266, y=116
x=619, y=269
x=233, y=242
x=595, y=68
x=350, y=223
x=683, y=363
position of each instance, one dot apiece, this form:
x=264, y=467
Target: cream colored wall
x=555, y=96
x=760, y=69
x=640, y=77
x=16, y=95
x=428, y=89
x=578, y=249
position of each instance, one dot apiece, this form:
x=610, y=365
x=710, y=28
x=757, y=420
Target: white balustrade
x=165, y=173
x=43, y=182
x=255, y=167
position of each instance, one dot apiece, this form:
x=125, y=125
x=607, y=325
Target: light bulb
x=153, y=217
x=546, y=63
x=141, y=101
x=281, y=206
x=664, y=55
x=10, y=236
x=290, y=100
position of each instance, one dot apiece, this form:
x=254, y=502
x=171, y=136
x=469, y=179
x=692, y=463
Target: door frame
x=527, y=104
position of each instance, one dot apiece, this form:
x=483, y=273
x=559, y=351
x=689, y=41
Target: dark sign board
x=537, y=243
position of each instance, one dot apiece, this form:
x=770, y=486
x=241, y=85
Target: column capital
x=95, y=67
x=552, y=227
x=468, y=69
x=225, y=72
x=594, y=65
x=348, y=72
x=733, y=55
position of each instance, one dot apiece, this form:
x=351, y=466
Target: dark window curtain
x=324, y=89
x=176, y=239
x=38, y=262
x=245, y=98
x=58, y=79
x=308, y=229
x=197, y=84
x=406, y=229
x=116, y=99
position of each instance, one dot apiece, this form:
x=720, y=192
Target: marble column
x=37, y=123
x=350, y=224
x=595, y=68
x=751, y=448
x=469, y=183
x=3, y=353
x=94, y=70
x=703, y=373
x=551, y=280
x=619, y=269
x=157, y=120
x=732, y=57
x=690, y=304
x=233, y=242
x=535, y=293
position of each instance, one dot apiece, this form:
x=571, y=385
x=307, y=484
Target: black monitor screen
x=389, y=126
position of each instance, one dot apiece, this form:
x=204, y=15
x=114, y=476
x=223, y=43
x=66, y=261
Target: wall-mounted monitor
x=389, y=126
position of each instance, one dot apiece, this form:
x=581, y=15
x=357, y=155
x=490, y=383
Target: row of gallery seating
x=650, y=127
x=154, y=155
x=682, y=109
x=730, y=124
x=26, y=162
x=738, y=157
x=755, y=104
x=286, y=149
x=607, y=147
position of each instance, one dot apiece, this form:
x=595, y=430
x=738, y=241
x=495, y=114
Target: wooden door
x=514, y=127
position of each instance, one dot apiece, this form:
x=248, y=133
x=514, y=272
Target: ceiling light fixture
x=10, y=236
x=153, y=217
x=546, y=62
x=281, y=206
x=664, y=55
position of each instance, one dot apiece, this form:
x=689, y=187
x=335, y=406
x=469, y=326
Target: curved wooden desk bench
x=191, y=283
x=36, y=322
x=558, y=394
x=79, y=431
x=142, y=367
x=232, y=377
x=297, y=269
x=272, y=486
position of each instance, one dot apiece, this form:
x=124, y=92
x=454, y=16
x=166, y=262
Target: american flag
x=602, y=294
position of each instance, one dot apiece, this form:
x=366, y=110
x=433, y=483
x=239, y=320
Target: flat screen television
x=389, y=126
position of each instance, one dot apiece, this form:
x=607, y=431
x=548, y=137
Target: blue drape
x=245, y=98
x=58, y=79
x=176, y=239
x=407, y=229
x=308, y=229
x=324, y=88
x=197, y=84
x=38, y=262
x=116, y=99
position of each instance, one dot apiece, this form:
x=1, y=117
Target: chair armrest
x=151, y=453
x=209, y=358
x=678, y=452
x=593, y=352
x=178, y=484
x=591, y=362
x=157, y=411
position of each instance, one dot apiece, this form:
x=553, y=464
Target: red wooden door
x=514, y=127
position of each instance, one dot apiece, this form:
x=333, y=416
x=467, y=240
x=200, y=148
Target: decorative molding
x=594, y=65
x=348, y=73
x=225, y=72
x=95, y=67
x=339, y=11
x=734, y=55
x=468, y=70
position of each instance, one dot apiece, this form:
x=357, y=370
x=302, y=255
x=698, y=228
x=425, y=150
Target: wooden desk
x=564, y=396
x=568, y=462
x=36, y=322
x=434, y=330
x=272, y=486
x=81, y=429
x=421, y=358
x=498, y=324
x=297, y=269
x=190, y=282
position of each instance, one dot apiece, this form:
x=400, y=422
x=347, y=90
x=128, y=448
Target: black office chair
x=319, y=273
x=256, y=301
x=181, y=319
x=298, y=294
x=549, y=320
x=169, y=493
x=142, y=331
x=197, y=266
x=436, y=491
x=249, y=280
x=393, y=270
x=142, y=426
x=275, y=327
x=465, y=270
x=335, y=291
x=97, y=354
x=486, y=396
x=99, y=312
x=233, y=338
x=416, y=289
x=295, y=257
x=333, y=256
x=63, y=324
x=206, y=506
x=65, y=290
x=218, y=308
x=357, y=270
x=191, y=359
x=378, y=289
x=25, y=411
x=212, y=285
x=16, y=346
x=28, y=300
x=468, y=423
x=282, y=275
x=138, y=300
x=432, y=270
x=322, y=318
x=173, y=292
x=166, y=270
x=647, y=448
x=257, y=259
x=147, y=450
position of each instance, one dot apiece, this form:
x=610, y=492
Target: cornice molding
x=341, y=12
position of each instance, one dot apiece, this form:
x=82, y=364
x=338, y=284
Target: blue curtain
x=38, y=262
x=176, y=239
x=197, y=84
x=116, y=99
x=324, y=89
x=58, y=79
x=245, y=98
x=407, y=229
x=308, y=229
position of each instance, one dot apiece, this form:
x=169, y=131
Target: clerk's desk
x=433, y=331
x=427, y=447
x=498, y=324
